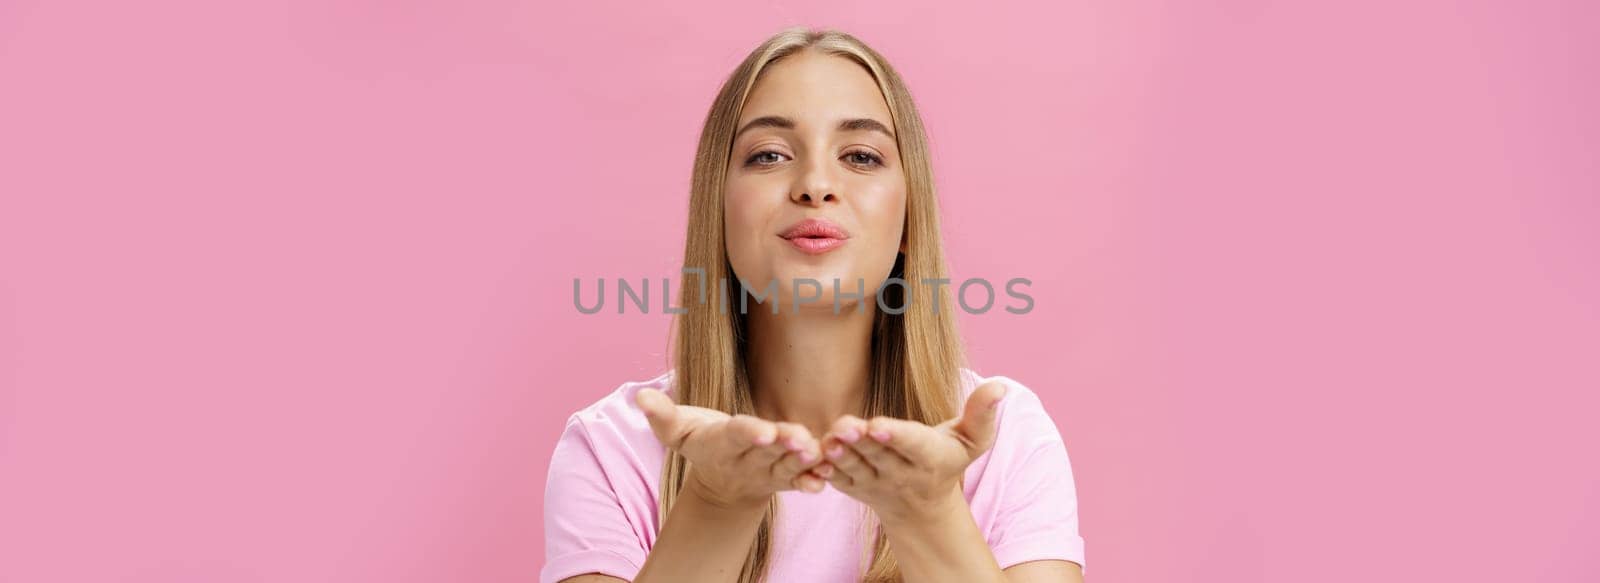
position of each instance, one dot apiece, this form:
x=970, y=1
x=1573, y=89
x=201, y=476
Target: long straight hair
x=916, y=355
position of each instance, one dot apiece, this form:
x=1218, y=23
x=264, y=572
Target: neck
x=812, y=367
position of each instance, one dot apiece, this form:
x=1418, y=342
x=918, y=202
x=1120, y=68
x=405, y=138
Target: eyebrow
x=849, y=125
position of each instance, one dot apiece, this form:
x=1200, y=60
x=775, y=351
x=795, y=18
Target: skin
x=809, y=367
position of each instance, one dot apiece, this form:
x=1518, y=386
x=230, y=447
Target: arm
x=736, y=464
x=944, y=544
x=1045, y=570
x=908, y=474
x=700, y=541
x=742, y=461
x=941, y=543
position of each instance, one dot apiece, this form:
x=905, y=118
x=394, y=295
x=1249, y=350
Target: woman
x=834, y=436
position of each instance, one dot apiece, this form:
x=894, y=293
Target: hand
x=734, y=461
x=904, y=469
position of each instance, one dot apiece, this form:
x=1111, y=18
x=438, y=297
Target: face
x=815, y=187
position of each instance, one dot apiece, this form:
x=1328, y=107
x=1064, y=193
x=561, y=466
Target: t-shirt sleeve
x=1037, y=516
x=585, y=528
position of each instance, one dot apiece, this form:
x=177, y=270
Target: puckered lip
x=815, y=228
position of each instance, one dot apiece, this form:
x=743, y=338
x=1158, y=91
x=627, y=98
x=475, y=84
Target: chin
x=823, y=276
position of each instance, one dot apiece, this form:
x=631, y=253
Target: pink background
x=285, y=287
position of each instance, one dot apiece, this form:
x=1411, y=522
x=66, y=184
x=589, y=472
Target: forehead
x=815, y=89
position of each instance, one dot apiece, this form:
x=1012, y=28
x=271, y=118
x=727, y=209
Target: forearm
x=701, y=541
x=942, y=544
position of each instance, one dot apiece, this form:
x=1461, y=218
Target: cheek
x=747, y=215
x=885, y=215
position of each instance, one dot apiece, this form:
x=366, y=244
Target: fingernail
x=766, y=439
x=792, y=443
x=850, y=436
x=835, y=451
x=825, y=471
x=807, y=457
x=881, y=435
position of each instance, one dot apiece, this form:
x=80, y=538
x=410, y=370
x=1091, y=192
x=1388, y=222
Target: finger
x=851, y=433
x=977, y=425
x=916, y=443
x=847, y=429
x=795, y=437
x=846, y=461
x=883, y=458
x=826, y=472
x=822, y=470
x=794, y=463
x=792, y=438
x=806, y=482
x=764, y=455
x=858, y=438
x=745, y=431
x=663, y=416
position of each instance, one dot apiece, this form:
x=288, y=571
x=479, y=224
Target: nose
x=814, y=186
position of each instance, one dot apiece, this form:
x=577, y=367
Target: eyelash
x=873, y=159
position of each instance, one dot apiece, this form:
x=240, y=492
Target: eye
x=764, y=158
x=863, y=158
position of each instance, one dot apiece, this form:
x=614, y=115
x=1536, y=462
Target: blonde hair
x=916, y=355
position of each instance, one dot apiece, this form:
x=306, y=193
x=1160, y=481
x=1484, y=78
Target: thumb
x=663, y=415
x=977, y=423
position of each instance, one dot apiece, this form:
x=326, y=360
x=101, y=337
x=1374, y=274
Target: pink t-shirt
x=600, y=498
